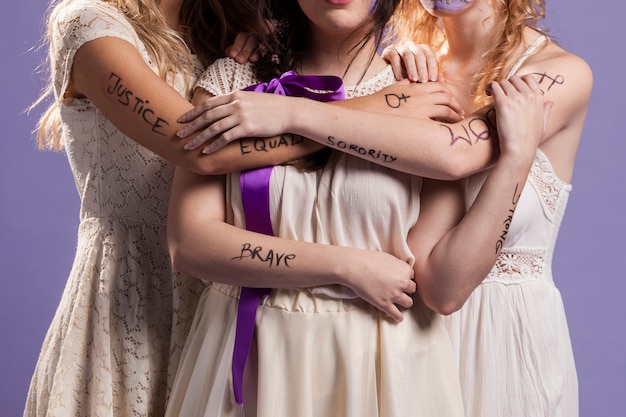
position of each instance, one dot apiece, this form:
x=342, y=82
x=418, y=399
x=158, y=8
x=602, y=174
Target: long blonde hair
x=413, y=22
x=165, y=47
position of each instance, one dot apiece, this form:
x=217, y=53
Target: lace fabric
x=123, y=316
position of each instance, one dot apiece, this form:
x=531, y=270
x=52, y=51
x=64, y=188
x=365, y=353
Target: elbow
x=211, y=164
x=448, y=306
x=176, y=259
x=444, y=299
x=456, y=167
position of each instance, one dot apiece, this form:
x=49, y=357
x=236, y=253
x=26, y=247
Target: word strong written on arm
x=509, y=219
x=138, y=105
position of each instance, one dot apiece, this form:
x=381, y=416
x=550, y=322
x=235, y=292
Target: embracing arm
x=111, y=73
x=203, y=245
x=455, y=251
x=394, y=130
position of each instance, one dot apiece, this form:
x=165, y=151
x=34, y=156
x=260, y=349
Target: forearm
x=408, y=144
x=251, y=153
x=241, y=257
x=464, y=256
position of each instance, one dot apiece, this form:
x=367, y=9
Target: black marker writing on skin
x=394, y=100
x=269, y=257
x=138, y=105
x=508, y=220
x=476, y=130
x=356, y=149
x=268, y=144
x=551, y=80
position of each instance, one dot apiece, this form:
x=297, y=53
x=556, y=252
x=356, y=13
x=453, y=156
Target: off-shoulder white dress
x=315, y=355
x=123, y=316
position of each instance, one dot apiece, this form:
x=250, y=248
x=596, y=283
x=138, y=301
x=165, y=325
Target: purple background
x=39, y=209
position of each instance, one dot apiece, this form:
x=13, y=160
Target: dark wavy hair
x=211, y=25
x=283, y=38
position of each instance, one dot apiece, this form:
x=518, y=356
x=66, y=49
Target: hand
x=427, y=101
x=244, y=48
x=233, y=116
x=521, y=114
x=417, y=62
x=384, y=281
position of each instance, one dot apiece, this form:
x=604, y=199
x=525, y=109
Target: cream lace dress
x=123, y=317
x=511, y=336
x=315, y=355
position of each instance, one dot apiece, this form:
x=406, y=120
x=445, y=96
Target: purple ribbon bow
x=316, y=87
x=256, y=206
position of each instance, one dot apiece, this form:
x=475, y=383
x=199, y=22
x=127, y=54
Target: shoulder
x=78, y=21
x=226, y=75
x=560, y=72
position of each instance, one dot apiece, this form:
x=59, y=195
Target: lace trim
x=518, y=265
x=550, y=188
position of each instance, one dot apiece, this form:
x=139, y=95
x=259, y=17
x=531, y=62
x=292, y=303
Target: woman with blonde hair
x=511, y=336
x=121, y=74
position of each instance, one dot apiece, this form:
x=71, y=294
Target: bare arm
x=112, y=74
x=455, y=251
x=202, y=244
x=413, y=143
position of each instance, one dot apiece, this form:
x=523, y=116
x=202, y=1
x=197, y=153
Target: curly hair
x=414, y=23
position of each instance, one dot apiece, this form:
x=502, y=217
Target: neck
x=469, y=35
x=340, y=55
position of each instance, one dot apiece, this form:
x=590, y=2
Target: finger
x=395, y=61
x=393, y=312
x=405, y=301
x=212, y=130
x=409, y=60
x=216, y=145
x=432, y=66
x=250, y=46
x=419, y=62
x=411, y=287
x=240, y=39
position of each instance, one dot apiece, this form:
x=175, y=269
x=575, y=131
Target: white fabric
x=314, y=355
x=123, y=315
x=511, y=336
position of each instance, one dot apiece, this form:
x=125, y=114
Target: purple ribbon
x=255, y=198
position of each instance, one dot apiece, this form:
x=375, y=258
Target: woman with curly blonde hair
x=120, y=75
x=508, y=326
x=511, y=336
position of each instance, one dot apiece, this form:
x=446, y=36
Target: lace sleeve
x=72, y=25
x=226, y=75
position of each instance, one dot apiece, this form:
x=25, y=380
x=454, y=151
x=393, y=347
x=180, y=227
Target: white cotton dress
x=123, y=316
x=511, y=337
x=313, y=355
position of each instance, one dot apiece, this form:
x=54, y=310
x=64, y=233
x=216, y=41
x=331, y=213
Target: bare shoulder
x=560, y=72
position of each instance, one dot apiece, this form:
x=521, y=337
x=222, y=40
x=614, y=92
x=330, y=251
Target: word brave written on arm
x=268, y=257
x=509, y=219
x=138, y=105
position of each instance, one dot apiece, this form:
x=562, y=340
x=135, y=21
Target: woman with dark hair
x=511, y=336
x=340, y=333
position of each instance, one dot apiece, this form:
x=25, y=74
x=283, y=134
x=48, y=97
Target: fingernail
x=206, y=151
x=488, y=89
